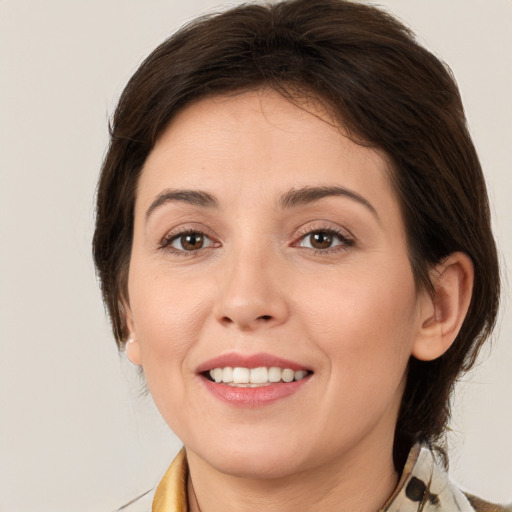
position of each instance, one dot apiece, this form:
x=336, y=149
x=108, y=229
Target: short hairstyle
x=385, y=90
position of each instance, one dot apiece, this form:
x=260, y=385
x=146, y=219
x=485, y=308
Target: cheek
x=363, y=321
x=167, y=312
x=168, y=317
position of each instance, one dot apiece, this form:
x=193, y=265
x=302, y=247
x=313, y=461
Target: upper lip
x=235, y=360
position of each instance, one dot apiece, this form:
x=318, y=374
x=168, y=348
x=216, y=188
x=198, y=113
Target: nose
x=251, y=293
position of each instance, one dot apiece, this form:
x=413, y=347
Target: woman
x=294, y=244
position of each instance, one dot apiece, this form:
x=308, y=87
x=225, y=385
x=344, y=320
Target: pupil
x=192, y=241
x=322, y=240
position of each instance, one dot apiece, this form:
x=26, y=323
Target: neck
x=344, y=484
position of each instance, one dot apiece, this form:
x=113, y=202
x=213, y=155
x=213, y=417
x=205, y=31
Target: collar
x=423, y=487
x=171, y=493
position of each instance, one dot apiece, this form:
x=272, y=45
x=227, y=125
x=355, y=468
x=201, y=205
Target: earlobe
x=443, y=316
x=132, y=347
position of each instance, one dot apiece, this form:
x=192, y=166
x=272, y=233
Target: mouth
x=253, y=380
x=243, y=377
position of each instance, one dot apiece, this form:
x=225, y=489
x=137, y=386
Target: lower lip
x=253, y=397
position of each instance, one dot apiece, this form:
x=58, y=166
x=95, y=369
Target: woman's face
x=265, y=238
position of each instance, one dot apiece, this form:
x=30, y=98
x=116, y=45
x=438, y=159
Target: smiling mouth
x=254, y=377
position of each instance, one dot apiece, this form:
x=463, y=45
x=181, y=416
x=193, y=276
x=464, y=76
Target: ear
x=132, y=347
x=443, y=314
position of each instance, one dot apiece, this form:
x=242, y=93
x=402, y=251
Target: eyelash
x=345, y=241
x=166, y=242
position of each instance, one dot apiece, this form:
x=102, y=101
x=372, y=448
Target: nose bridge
x=250, y=292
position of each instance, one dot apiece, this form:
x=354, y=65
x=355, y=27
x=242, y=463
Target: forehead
x=260, y=142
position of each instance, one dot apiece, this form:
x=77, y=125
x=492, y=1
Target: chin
x=254, y=461
x=258, y=468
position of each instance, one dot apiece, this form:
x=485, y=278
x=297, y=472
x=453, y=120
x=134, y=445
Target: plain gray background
x=74, y=432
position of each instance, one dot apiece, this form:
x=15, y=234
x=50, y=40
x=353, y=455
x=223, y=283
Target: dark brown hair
x=386, y=90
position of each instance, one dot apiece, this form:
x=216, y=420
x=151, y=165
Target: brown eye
x=192, y=241
x=321, y=240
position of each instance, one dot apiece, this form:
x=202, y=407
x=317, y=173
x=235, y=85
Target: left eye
x=192, y=241
x=321, y=240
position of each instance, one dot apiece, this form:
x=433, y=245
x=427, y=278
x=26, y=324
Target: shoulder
x=425, y=486
x=484, y=506
x=171, y=493
x=141, y=503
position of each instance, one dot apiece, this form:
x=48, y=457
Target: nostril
x=265, y=317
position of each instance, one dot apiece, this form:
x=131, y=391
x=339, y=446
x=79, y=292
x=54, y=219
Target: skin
x=349, y=312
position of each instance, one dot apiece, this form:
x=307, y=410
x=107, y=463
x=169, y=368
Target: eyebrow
x=306, y=195
x=290, y=199
x=195, y=197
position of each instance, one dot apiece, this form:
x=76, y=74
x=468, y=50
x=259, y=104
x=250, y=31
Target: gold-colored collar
x=171, y=493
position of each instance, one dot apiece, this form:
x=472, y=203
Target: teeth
x=217, y=375
x=253, y=377
x=288, y=375
x=259, y=375
x=227, y=374
x=274, y=374
x=300, y=374
x=240, y=375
